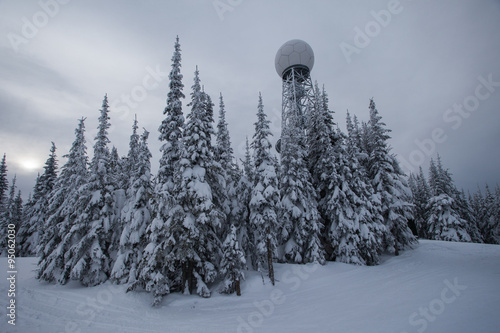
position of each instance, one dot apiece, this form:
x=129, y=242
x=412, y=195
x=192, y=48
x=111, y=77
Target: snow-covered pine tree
x=196, y=217
x=248, y=166
x=321, y=138
x=183, y=250
x=88, y=259
x=11, y=214
x=4, y=188
x=62, y=209
x=301, y=225
x=31, y=231
x=136, y=214
x=17, y=210
x=496, y=230
x=464, y=210
x=223, y=154
x=153, y=275
x=444, y=221
x=478, y=212
x=154, y=269
x=264, y=203
x=232, y=263
x=172, y=126
x=491, y=224
x=389, y=184
x=4, y=184
x=367, y=208
x=242, y=211
x=421, y=196
x=217, y=177
x=350, y=234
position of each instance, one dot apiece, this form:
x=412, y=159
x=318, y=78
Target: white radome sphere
x=294, y=52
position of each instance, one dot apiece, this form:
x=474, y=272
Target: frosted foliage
x=294, y=52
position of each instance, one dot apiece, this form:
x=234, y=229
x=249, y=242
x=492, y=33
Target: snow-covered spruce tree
x=172, y=126
x=16, y=211
x=216, y=176
x=389, y=184
x=196, y=217
x=420, y=197
x=264, y=204
x=88, y=258
x=153, y=273
x=31, y=231
x=136, y=213
x=367, y=208
x=476, y=204
x=320, y=141
x=491, y=224
x=465, y=212
x=182, y=253
x=232, y=263
x=242, y=208
x=444, y=221
x=11, y=214
x=4, y=184
x=4, y=188
x=301, y=225
x=223, y=154
x=62, y=209
x=347, y=204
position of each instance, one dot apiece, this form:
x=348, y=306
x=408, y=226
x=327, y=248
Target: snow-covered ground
x=437, y=287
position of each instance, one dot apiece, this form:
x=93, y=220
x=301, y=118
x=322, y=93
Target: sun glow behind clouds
x=30, y=164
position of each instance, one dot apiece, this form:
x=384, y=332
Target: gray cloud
x=427, y=58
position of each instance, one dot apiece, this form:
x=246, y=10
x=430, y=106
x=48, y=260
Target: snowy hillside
x=438, y=287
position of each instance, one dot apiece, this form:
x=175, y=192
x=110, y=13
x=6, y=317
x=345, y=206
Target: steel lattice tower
x=294, y=61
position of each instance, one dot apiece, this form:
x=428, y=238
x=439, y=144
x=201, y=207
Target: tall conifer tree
x=264, y=204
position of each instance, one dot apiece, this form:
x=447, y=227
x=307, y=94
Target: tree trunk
x=270, y=259
x=237, y=287
x=187, y=277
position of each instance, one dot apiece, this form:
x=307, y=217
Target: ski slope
x=437, y=287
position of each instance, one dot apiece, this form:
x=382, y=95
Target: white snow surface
x=437, y=287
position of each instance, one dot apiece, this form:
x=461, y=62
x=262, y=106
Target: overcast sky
x=420, y=60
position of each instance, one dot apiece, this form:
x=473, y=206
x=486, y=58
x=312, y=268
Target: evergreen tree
x=248, y=166
x=136, y=214
x=153, y=275
x=232, y=263
x=183, y=250
x=4, y=185
x=464, y=210
x=242, y=208
x=88, y=258
x=172, y=126
x=421, y=196
x=17, y=210
x=264, y=204
x=223, y=155
x=389, y=184
x=321, y=139
x=31, y=231
x=476, y=204
x=445, y=223
x=196, y=213
x=62, y=209
x=12, y=214
x=491, y=228
x=356, y=227
x=301, y=227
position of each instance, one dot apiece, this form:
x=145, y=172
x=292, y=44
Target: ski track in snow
x=307, y=298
